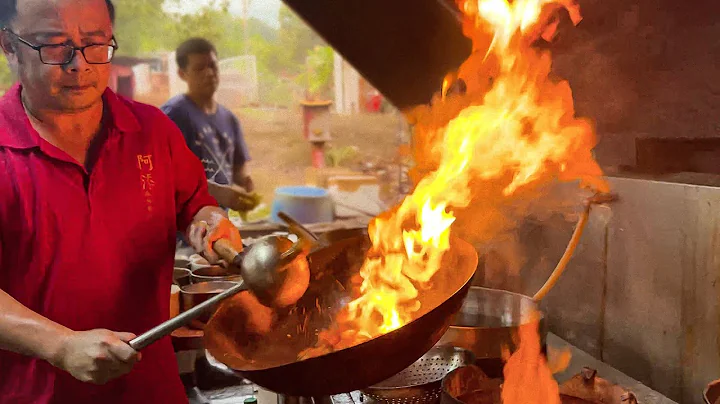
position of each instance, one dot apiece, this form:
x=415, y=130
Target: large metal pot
x=487, y=321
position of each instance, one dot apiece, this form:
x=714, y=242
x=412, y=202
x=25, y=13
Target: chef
x=93, y=189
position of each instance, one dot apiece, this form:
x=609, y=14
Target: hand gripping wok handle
x=184, y=318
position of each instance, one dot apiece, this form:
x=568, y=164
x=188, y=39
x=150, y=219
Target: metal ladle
x=259, y=267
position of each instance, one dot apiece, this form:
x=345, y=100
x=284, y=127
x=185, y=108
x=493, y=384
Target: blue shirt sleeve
x=242, y=155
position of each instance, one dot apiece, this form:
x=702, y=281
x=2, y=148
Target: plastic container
x=305, y=204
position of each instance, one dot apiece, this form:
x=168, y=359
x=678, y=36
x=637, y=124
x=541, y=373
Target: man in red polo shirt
x=93, y=189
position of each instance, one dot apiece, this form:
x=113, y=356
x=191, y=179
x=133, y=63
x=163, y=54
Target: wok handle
x=598, y=198
x=306, y=240
x=164, y=329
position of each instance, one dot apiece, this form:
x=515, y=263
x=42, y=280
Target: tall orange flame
x=514, y=129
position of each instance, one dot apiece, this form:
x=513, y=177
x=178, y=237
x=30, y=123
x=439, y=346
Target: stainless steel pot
x=487, y=321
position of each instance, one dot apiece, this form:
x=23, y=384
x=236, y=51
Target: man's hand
x=234, y=197
x=96, y=356
x=204, y=233
x=247, y=183
x=243, y=201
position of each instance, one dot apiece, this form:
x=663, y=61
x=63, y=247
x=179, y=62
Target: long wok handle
x=306, y=240
x=574, y=240
x=184, y=318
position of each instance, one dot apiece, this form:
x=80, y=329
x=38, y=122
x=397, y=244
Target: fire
x=528, y=378
x=511, y=131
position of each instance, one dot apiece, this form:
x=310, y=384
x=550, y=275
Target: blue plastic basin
x=307, y=205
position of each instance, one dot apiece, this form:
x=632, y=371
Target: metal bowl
x=421, y=382
x=712, y=393
x=214, y=273
x=470, y=380
x=181, y=276
x=487, y=321
x=196, y=293
x=182, y=262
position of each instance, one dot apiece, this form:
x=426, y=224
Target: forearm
x=221, y=193
x=25, y=332
x=239, y=174
x=241, y=177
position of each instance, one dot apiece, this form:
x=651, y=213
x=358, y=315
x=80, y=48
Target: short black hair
x=8, y=11
x=190, y=46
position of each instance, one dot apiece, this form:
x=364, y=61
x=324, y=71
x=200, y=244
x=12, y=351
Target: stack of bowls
x=200, y=281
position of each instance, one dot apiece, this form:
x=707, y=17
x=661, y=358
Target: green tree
x=7, y=78
x=141, y=26
x=319, y=71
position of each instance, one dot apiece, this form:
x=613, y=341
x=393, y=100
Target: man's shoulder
x=227, y=113
x=175, y=104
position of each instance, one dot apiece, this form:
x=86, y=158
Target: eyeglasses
x=62, y=54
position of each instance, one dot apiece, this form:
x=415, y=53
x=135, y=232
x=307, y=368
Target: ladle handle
x=166, y=328
x=227, y=252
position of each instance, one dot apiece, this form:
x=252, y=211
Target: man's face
x=201, y=74
x=72, y=87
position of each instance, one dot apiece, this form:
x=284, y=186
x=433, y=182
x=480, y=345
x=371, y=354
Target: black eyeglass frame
x=113, y=44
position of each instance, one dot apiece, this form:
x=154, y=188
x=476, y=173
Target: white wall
x=347, y=87
x=143, y=82
x=176, y=85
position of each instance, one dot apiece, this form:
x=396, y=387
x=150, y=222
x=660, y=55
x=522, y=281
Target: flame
x=528, y=378
x=512, y=130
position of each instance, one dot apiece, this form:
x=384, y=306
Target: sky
x=264, y=10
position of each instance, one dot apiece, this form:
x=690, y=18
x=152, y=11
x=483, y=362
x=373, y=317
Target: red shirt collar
x=17, y=132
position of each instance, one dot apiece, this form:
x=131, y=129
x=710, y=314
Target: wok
x=270, y=360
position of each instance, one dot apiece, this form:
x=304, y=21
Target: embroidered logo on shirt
x=145, y=166
x=145, y=162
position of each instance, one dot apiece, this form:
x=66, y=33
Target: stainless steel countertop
x=580, y=359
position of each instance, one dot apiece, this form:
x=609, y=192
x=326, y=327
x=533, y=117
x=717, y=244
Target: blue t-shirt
x=216, y=139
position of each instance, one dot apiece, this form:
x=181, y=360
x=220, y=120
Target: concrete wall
x=642, y=291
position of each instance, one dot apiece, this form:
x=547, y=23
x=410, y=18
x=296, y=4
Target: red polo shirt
x=95, y=250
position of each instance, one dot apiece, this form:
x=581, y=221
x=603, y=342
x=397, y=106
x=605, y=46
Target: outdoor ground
x=280, y=155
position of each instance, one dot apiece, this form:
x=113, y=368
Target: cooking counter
x=580, y=359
